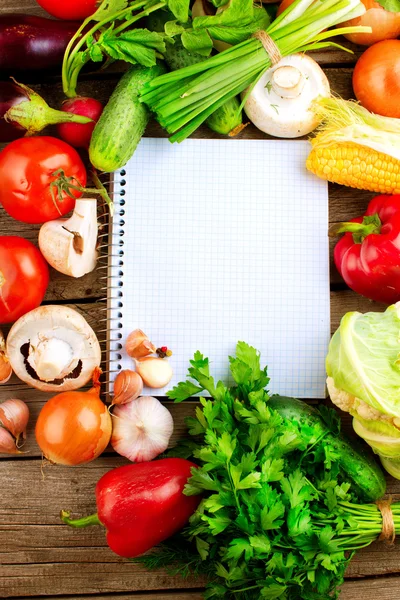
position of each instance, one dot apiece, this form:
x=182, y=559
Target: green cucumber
x=226, y=120
x=357, y=464
x=123, y=121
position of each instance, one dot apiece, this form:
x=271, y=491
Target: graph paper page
x=226, y=240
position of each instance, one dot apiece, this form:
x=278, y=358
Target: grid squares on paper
x=226, y=240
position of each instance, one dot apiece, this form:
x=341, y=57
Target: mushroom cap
x=270, y=106
x=66, y=326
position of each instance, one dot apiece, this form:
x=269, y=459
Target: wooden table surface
x=40, y=557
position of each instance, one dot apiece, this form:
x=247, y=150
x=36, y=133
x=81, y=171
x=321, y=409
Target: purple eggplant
x=24, y=112
x=32, y=43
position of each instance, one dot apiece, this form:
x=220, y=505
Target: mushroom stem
x=51, y=358
x=288, y=81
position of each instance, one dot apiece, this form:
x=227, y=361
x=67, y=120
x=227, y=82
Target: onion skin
x=14, y=416
x=73, y=428
x=385, y=25
x=7, y=443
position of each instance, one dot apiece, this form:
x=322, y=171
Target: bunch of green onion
x=183, y=99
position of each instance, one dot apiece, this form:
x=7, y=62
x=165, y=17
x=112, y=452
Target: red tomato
x=24, y=276
x=70, y=9
x=26, y=171
x=376, y=78
x=385, y=24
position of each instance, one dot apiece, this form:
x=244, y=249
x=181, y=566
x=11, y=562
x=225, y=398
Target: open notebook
x=220, y=241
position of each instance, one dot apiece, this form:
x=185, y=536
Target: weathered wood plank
x=384, y=588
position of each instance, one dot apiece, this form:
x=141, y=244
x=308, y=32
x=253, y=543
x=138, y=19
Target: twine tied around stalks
x=388, y=528
x=269, y=46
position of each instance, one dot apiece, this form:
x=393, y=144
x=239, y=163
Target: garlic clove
x=7, y=443
x=155, y=372
x=128, y=385
x=14, y=416
x=141, y=429
x=5, y=366
x=138, y=345
x=69, y=245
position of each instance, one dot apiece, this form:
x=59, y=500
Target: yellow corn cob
x=356, y=166
x=355, y=147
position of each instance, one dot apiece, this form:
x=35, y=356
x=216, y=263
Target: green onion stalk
x=81, y=48
x=184, y=99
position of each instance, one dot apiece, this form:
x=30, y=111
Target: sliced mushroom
x=53, y=349
x=280, y=102
x=69, y=245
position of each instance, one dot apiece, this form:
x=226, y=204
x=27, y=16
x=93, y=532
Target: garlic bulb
x=5, y=366
x=138, y=345
x=141, y=429
x=7, y=443
x=14, y=416
x=128, y=386
x=155, y=372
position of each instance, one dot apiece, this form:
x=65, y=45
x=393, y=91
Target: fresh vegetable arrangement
x=183, y=100
x=281, y=513
x=274, y=500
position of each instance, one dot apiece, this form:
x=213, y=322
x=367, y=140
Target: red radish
x=76, y=134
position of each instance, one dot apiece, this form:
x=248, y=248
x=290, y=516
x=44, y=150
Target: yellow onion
x=74, y=427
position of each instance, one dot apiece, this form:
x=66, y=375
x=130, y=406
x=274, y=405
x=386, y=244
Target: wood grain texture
x=383, y=588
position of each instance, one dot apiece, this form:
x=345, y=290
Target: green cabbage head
x=364, y=358
x=363, y=366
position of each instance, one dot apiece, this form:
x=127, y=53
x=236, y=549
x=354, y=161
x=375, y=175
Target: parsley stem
x=144, y=13
x=72, y=50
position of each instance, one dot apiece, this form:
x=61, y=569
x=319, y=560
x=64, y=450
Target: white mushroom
x=53, y=349
x=69, y=245
x=280, y=102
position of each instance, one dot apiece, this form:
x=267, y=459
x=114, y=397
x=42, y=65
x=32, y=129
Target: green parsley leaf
x=136, y=46
x=234, y=24
x=180, y=9
x=183, y=391
x=197, y=41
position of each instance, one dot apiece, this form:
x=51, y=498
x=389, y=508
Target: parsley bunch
x=277, y=519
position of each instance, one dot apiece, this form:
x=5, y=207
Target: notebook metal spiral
x=110, y=253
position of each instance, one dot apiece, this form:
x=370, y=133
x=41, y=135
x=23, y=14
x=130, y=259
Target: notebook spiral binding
x=111, y=253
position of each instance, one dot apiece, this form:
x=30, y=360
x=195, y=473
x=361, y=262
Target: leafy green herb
x=106, y=34
x=276, y=519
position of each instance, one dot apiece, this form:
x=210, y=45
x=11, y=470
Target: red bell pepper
x=368, y=255
x=141, y=504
